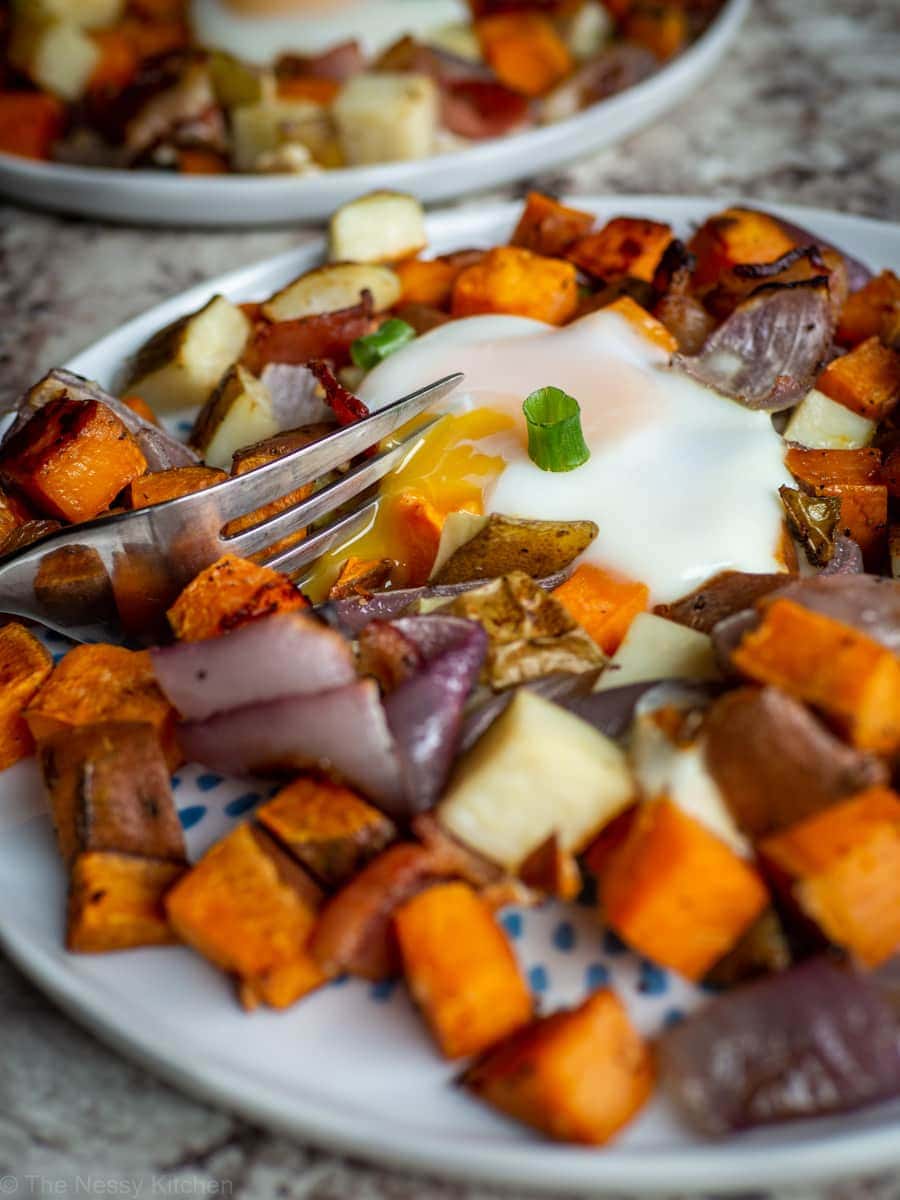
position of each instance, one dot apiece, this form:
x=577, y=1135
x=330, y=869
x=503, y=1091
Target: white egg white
x=681, y=481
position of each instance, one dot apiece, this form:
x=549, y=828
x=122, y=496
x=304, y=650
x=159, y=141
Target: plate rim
x=675, y=78
x=533, y=1166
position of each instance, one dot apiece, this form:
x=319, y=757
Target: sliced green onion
x=555, y=440
x=367, y=352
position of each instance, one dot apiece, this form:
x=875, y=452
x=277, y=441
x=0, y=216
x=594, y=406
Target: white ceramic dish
x=351, y=1067
x=158, y=198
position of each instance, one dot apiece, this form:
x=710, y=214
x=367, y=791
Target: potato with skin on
x=577, y=1075
x=332, y=288
x=460, y=969
x=382, y=227
x=238, y=413
x=24, y=666
x=181, y=364
x=160, y=486
x=499, y=545
x=850, y=678
x=228, y=594
x=386, y=117
x=676, y=893
x=509, y=279
x=251, y=913
x=844, y=865
x=548, y=227
x=116, y=902
x=109, y=790
x=71, y=459
x=328, y=828
x=629, y=246
x=538, y=770
x=56, y=55
x=98, y=683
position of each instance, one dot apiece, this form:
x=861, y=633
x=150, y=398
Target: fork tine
x=245, y=493
x=306, y=551
x=321, y=503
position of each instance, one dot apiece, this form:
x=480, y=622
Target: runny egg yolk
x=681, y=481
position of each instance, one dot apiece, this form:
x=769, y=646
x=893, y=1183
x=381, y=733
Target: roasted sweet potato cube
x=160, y=486
x=248, y=913
x=737, y=235
x=524, y=50
x=109, y=790
x=24, y=666
x=230, y=593
x=845, y=867
x=866, y=380
x=258, y=455
x=660, y=28
x=327, y=828
x=602, y=603
x=461, y=970
x=577, y=1075
x=643, y=322
x=815, y=468
x=426, y=281
x=870, y=311
x=72, y=459
x=72, y=584
x=864, y=517
x=678, y=894
x=116, y=902
x=139, y=405
x=509, y=279
x=624, y=246
x=548, y=227
x=361, y=577
x=103, y=683
x=852, y=679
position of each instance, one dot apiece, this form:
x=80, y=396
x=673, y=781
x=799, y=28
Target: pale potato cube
x=87, y=14
x=386, y=117
x=820, y=423
x=56, y=55
x=327, y=289
x=538, y=770
x=238, y=414
x=458, y=39
x=587, y=30
x=180, y=365
x=382, y=227
x=654, y=648
x=259, y=130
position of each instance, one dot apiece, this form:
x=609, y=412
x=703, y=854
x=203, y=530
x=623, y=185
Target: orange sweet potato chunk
x=103, y=683
x=864, y=517
x=676, y=893
x=160, y=486
x=845, y=867
x=548, y=227
x=524, y=50
x=624, y=246
x=853, y=680
x=116, y=902
x=426, y=281
x=870, y=311
x=461, y=970
x=602, y=603
x=72, y=459
x=24, y=666
x=139, y=405
x=578, y=1075
x=238, y=908
x=866, y=380
x=509, y=279
x=736, y=235
x=228, y=594
x=817, y=468
x=644, y=323
x=30, y=122
x=328, y=828
x=13, y=514
x=660, y=28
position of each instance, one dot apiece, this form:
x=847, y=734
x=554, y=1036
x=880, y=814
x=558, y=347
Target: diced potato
x=380, y=227
x=180, y=365
x=458, y=39
x=262, y=129
x=334, y=287
x=655, y=648
x=116, y=902
x=537, y=771
x=578, y=1075
x=237, y=414
x=505, y=544
x=820, y=423
x=56, y=55
x=587, y=30
x=88, y=14
x=386, y=117
x=234, y=82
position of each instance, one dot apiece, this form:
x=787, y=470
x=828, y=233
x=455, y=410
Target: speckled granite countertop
x=806, y=111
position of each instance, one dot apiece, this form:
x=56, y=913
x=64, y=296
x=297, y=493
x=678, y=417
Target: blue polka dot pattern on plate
x=674, y=1016
x=596, y=975
x=538, y=979
x=564, y=936
x=613, y=944
x=192, y=816
x=653, y=980
x=512, y=923
x=237, y=808
x=382, y=991
x=207, y=782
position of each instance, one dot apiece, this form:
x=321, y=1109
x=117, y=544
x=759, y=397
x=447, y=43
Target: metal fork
x=113, y=578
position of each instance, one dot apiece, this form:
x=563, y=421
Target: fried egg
x=681, y=481
x=311, y=26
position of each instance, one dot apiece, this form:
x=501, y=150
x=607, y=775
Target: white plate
x=168, y=199
x=352, y=1067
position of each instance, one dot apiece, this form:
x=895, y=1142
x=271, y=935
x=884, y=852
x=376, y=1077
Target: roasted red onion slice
x=296, y=399
x=425, y=711
x=858, y=274
x=344, y=730
x=810, y=1041
x=846, y=559
x=770, y=350
x=287, y=654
